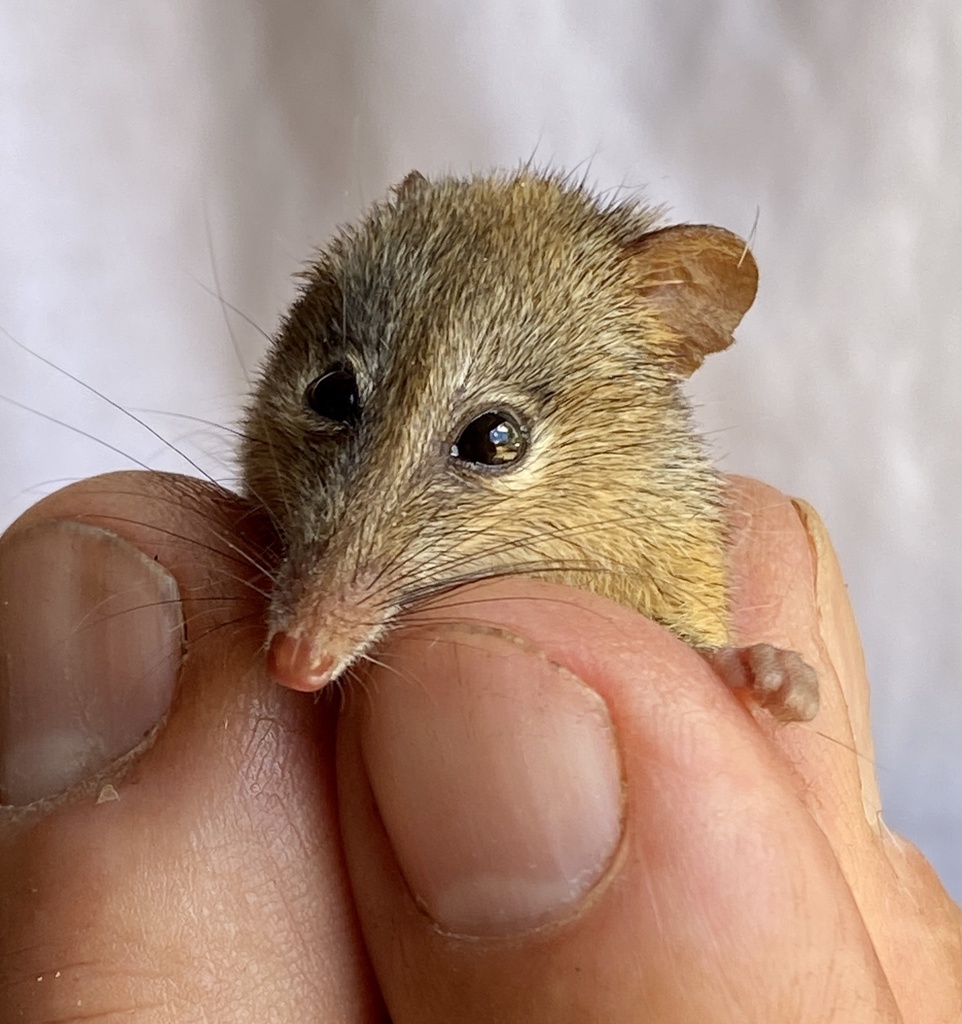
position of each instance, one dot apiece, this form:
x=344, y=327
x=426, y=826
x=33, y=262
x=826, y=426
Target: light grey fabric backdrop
x=149, y=152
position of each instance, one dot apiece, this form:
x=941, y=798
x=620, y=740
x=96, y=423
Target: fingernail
x=497, y=777
x=839, y=632
x=91, y=634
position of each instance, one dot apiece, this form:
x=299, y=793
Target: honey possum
x=484, y=377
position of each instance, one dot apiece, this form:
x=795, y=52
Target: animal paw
x=779, y=681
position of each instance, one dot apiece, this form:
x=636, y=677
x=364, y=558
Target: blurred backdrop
x=154, y=154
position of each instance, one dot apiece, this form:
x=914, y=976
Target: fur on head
x=483, y=377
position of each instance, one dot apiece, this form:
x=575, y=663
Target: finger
x=789, y=591
x=553, y=810
x=199, y=878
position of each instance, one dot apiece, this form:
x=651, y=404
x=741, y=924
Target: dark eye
x=334, y=396
x=491, y=439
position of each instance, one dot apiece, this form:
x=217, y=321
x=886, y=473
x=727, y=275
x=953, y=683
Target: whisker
x=104, y=398
x=74, y=429
x=255, y=620
x=220, y=297
x=193, y=419
x=233, y=552
x=225, y=304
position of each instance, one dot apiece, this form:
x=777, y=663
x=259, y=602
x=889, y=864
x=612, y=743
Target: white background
x=149, y=151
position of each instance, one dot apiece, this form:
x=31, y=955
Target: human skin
x=263, y=856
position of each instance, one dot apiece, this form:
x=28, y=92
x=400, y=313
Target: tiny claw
x=299, y=664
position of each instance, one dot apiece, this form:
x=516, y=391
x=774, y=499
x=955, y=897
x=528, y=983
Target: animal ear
x=413, y=182
x=700, y=281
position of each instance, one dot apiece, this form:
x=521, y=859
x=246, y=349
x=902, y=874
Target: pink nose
x=299, y=664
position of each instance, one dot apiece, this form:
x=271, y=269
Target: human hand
x=549, y=807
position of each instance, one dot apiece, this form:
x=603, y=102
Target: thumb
x=197, y=876
x=553, y=810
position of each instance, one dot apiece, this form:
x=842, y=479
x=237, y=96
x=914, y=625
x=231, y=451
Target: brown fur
x=520, y=291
